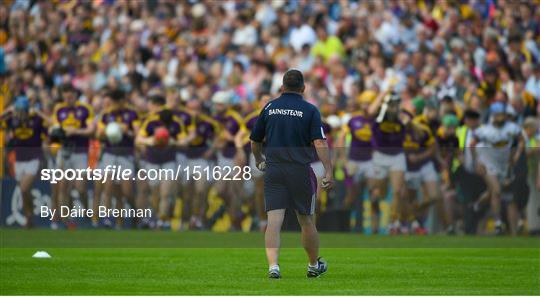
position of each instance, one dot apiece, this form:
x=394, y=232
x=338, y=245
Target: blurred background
x=449, y=61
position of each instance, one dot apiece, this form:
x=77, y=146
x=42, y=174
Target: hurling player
x=161, y=157
x=389, y=162
x=231, y=123
x=493, y=156
x=200, y=152
x=119, y=154
x=27, y=131
x=76, y=119
x=359, y=164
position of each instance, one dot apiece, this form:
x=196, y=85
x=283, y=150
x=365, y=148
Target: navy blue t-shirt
x=288, y=125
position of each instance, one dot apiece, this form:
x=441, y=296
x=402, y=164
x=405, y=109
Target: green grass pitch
x=106, y=262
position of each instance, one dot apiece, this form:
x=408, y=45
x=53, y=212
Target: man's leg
x=200, y=192
x=310, y=237
x=432, y=196
x=512, y=212
x=96, y=201
x=495, y=195
x=397, y=181
x=377, y=193
x=108, y=188
x=272, y=235
x=259, y=202
x=166, y=193
x=358, y=204
x=25, y=185
x=126, y=187
x=80, y=186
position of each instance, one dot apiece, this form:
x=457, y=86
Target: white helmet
x=334, y=121
x=222, y=97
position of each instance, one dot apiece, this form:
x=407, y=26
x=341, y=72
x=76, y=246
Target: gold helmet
x=366, y=96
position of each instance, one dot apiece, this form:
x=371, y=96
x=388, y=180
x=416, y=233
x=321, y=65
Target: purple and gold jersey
x=26, y=135
x=250, y=121
x=205, y=130
x=185, y=116
x=326, y=130
x=417, y=140
x=232, y=122
x=124, y=116
x=78, y=116
x=187, y=120
x=388, y=137
x=361, y=136
x=160, y=155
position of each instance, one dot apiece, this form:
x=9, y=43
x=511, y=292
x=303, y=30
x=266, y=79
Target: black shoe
x=274, y=273
x=321, y=268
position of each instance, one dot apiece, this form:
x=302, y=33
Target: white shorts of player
x=383, y=164
x=426, y=173
x=122, y=162
x=202, y=164
x=23, y=168
x=223, y=161
x=165, y=166
x=360, y=170
x=182, y=160
x=254, y=170
x=318, y=169
x=66, y=160
x=495, y=160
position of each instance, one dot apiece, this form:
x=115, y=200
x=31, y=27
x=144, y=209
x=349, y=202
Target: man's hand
x=256, y=149
x=208, y=154
x=181, y=142
x=261, y=165
x=321, y=146
x=327, y=182
x=70, y=131
x=240, y=158
x=480, y=169
x=513, y=160
x=413, y=158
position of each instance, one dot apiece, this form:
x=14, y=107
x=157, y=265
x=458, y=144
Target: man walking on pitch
x=290, y=127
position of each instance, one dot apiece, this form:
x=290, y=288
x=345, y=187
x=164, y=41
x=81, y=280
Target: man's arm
x=257, y=137
x=90, y=128
x=373, y=108
x=256, y=148
x=142, y=138
x=340, y=146
x=519, y=149
x=480, y=169
x=321, y=146
x=88, y=131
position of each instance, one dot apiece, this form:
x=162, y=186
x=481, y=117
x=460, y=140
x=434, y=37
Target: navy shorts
x=290, y=186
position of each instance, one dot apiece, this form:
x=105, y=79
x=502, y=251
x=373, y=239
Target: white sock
x=274, y=267
x=316, y=265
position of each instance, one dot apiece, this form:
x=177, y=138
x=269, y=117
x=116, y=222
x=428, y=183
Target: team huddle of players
x=169, y=133
x=383, y=146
